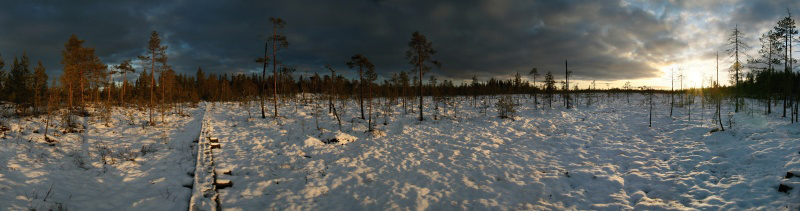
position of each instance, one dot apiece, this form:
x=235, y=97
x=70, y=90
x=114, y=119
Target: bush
x=127, y=154
x=105, y=153
x=505, y=107
x=146, y=149
x=78, y=159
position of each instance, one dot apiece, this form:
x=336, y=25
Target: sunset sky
x=608, y=41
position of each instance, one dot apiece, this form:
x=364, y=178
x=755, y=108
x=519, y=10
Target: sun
x=695, y=73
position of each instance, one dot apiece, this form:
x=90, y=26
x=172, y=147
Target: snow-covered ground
x=71, y=175
x=602, y=157
x=598, y=157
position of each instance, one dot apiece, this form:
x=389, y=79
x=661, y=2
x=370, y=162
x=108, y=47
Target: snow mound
x=339, y=137
x=311, y=141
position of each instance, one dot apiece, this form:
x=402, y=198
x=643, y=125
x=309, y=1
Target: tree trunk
x=274, y=72
x=263, y=85
x=650, y=121
x=361, y=89
x=370, y=107
x=163, y=97
x=566, y=83
x=152, y=88
x=108, y=101
x=419, y=64
x=122, y=93
x=671, y=92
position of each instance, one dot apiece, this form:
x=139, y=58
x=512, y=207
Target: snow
x=71, y=174
x=598, y=157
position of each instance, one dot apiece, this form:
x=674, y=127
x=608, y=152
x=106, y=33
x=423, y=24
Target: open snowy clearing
x=598, y=157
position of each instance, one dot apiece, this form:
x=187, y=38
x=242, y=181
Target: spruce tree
x=40, y=87
x=20, y=86
x=549, y=87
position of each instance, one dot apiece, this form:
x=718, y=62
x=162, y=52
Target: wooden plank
x=223, y=171
x=223, y=183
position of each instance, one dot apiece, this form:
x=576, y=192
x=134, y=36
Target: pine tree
x=362, y=62
x=768, y=56
x=627, y=88
x=474, y=85
x=671, y=91
x=405, y=84
x=98, y=77
x=549, y=87
x=155, y=54
x=124, y=68
x=786, y=29
x=333, y=85
x=167, y=83
x=432, y=83
x=718, y=97
x=72, y=59
x=567, y=73
x=278, y=41
x=78, y=63
x=534, y=72
x=370, y=76
x=262, y=82
x=419, y=52
x=53, y=100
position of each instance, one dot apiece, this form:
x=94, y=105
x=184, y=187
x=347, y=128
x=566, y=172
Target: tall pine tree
x=278, y=41
x=156, y=54
x=419, y=53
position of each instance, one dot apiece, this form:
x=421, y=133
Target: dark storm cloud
x=763, y=14
x=603, y=40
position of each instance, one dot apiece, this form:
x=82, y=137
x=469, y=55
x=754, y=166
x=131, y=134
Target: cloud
x=603, y=40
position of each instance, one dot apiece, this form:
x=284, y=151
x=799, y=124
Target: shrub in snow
x=147, y=149
x=78, y=159
x=105, y=153
x=505, y=107
x=127, y=154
